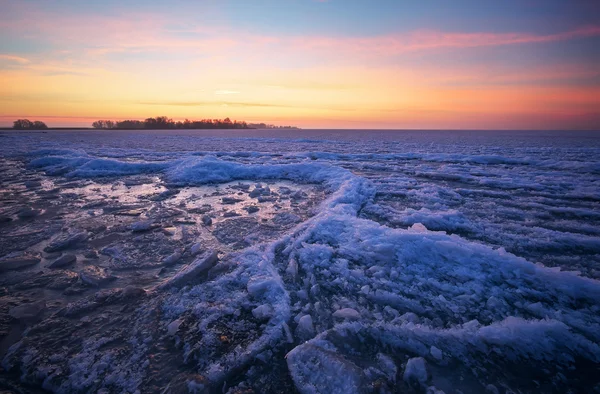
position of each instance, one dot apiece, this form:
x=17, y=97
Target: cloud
x=14, y=59
x=211, y=103
x=427, y=40
x=236, y=104
x=226, y=92
x=97, y=35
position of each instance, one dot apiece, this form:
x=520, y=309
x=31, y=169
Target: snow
x=434, y=261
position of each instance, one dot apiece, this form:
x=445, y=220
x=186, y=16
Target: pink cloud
x=136, y=32
x=431, y=39
x=15, y=59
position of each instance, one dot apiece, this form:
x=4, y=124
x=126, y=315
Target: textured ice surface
x=394, y=262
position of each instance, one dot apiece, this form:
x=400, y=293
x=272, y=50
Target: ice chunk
x=230, y=200
x=419, y=228
x=95, y=276
x=196, y=248
x=65, y=241
x=258, y=286
x=173, y=327
x=415, y=372
x=305, y=328
x=436, y=353
x=28, y=212
x=198, y=267
x=387, y=366
x=172, y=258
x=207, y=220
x=491, y=389
x=28, y=312
x=143, y=225
x=292, y=268
x=262, y=312
x=316, y=370
x=63, y=261
x=434, y=390
x=346, y=313
x=170, y=231
x=16, y=262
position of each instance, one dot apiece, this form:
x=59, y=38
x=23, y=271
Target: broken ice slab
x=28, y=312
x=198, y=267
x=130, y=212
x=63, y=261
x=95, y=276
x=17, y=262
x=65, y=241
x=318, y=370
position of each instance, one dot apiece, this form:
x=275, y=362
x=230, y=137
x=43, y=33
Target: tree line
x=163, y=122
x=160, y=122
x=26, y=124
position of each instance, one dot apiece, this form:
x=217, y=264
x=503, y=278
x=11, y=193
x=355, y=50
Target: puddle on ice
x=94, y=243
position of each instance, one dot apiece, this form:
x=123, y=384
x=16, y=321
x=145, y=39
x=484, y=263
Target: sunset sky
x=526, y=64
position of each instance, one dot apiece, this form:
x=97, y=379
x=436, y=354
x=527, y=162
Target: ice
x=415, y=372
x=198, y=267
x=65, y=241
x=346, y=313
x=261, y=285
x=144, y=225
x=9, y=263
x=63, y=261
x=262, y=312
x=173, y=327
x=404, y=265
x=317, y=370
x=172, y=258
x=436, y=353
x=305, y=328
x=28, y=312
x=95, y=276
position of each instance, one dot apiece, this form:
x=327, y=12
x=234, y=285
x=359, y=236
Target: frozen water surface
x=300, y=261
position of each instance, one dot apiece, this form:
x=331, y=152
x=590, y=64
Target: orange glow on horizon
x=133, y=68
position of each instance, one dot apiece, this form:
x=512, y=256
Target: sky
x=390, y=64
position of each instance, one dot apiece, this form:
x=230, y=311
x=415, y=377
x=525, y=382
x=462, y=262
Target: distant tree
x=22, y=124
x=268, y=126
x=39, y=125
x=26, y=124
x=163, y=122
x=129, y=124
x=160, y=122
x=104, y=124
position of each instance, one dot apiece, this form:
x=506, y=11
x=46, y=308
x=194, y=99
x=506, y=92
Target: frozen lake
x=300, y=260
